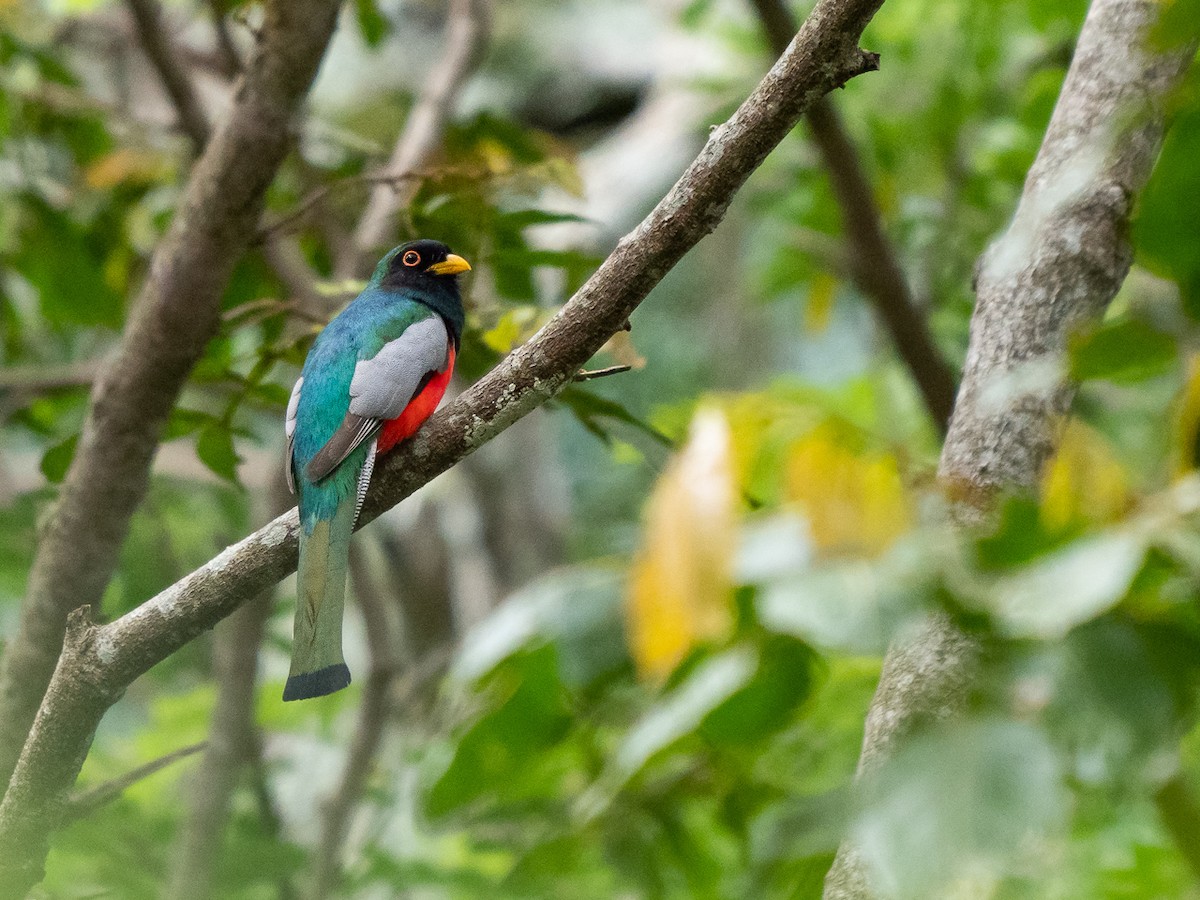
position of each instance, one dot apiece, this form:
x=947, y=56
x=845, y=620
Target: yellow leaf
x=1185, y=437
x=497, y=158
x=763, y=425
x=510, y=330
x=1083, y=481
x=819, y=309
x=121, y=166
x=620, y=347
x=563, y=173
x=854, y=502
x=680, y=588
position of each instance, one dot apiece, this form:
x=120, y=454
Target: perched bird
x=374, y=374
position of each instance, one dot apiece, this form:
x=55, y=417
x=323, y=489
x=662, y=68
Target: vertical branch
x=874, y=264
x=421, y=558
x=373, y=714
x=466, y=35
x=227, y=52
x=232, y=742
x=1059, y=264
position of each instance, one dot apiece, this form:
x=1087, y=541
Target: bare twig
x=178, y=310
x=466, y=34
x=87, y=802
x=315, y=197
x=41, y=379
x=98, y=662
x=1058, y=266
x=874, y=265
x=588, y=375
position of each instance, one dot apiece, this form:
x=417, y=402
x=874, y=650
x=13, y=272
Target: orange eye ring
x=411, y=258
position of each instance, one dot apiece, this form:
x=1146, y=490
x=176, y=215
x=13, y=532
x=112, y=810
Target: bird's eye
x=411, y=258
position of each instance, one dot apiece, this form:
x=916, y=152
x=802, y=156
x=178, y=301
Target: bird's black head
x=426, y=271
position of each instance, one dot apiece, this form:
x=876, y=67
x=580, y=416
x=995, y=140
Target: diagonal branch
x=147, y=19
x=169, y=325
x=99, y=662
x=874, y=265
x=1058, y=266
x=89, y=801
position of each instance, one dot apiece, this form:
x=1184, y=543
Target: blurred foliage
x=677, y=711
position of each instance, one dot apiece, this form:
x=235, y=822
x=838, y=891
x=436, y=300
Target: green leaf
x=57, y=459
x=591, y=409
x=521, y=219
x=506, y=754
x=372, y=24
x=215, y=449
x=1164, y=230
x=856, y=607
x=1124, y=351
x=705, y=689
x=578, y=609
x=1108, y=699
x=58, y=259
x=800, y=827
x=767, y=703
x=964, y=800
x=1049, y=597
x=184, y=422
x=270, y=393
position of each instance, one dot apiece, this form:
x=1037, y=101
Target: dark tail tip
x=316, y=684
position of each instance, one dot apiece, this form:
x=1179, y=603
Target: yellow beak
x=451, y=265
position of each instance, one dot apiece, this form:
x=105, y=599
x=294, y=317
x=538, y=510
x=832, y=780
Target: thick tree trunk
x=1057, y=267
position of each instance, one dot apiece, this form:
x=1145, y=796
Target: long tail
x=318, y=667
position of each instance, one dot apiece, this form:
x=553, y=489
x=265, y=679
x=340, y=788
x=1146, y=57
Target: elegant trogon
x=373, y=375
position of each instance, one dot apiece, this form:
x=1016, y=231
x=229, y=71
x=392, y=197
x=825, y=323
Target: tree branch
x=170, y=323
x=373, y=714
x=466, y=34
x=227, y=52
x=147, y=20
x=87, y=802
x=232, y=742
x=51, y=377
x=98, y=662
x=1058, y=266
x=874, y=265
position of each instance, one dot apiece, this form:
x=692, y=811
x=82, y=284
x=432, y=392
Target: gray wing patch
x=381, y=387
x=289, y=429
x=384, y=384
